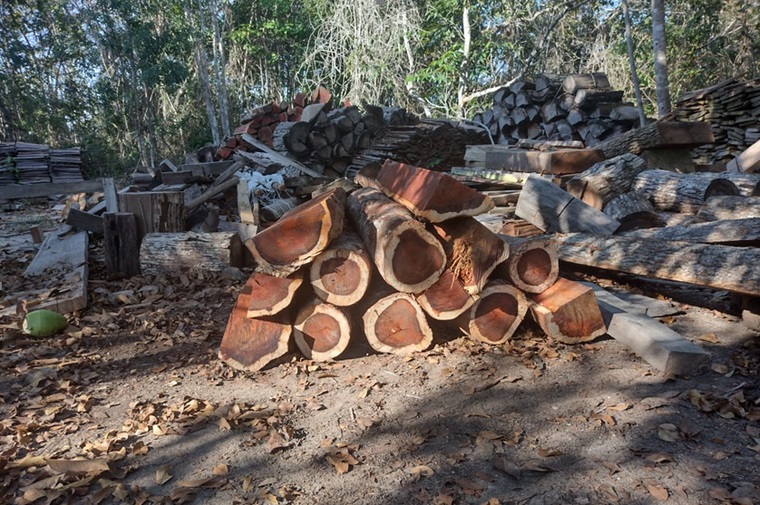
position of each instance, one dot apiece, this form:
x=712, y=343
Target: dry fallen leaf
x=421, y=471
x=709, y=337
x=220, y=469
x=656, y=490
x=162, y=474
x=79, y=465
x=548, y=453
x=612, y=467
x=667, y=432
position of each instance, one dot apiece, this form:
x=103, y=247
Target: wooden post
x=109, y=192
x=121, y=244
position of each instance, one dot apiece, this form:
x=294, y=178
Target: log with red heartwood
x=472, y=251
x=251, y=343
x=532, y=265
x=341, y=274
x=269, y=295
x=408, y=257
x=396, y=324
x=568, y=312
x=447, y=299
x=494, y=318
x=321, y=330
x=300, y=235
x=431, y=195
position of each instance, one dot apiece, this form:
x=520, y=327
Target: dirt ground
x=135, y=392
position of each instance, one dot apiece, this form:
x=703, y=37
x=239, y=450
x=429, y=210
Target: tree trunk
x=633, y=211
x=715, y=266
x=568, y=312
x=300, y=235
x=472, y=251
x=494, y=318
x=201, y=63
x=606, y=180
x=321, y=331
x=674, y=192
x=408, y=257
x=739, y=232
x=532, y=265
x=176, y=252
x=729, y=207
x=396, y=324
x=446, y=299
x=270, y=295
x=660, y=58
x=121, y=244
x=632, y=63
x=341, y=274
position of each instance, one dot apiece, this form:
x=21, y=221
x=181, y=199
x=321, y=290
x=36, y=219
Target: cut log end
x=494, y=318
x=416, y=260
x=342, y=273
x=269, y=295
x=568, y=312
x=396, y=324
x=446, y=299
x=532, y=266
x=321, y=331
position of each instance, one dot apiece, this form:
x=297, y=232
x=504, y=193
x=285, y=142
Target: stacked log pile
x=732, y=107
x=386, y=260
x=581, y=107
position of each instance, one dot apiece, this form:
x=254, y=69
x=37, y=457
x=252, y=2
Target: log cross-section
x=494, y=318
x=532, y=265
x=396, y=324
x=299, y=235
x=447, y=299
x=568, y=312
x=342, y=273
x=269, y=295
x=431, y=195
x=408, y=257
x=321, y=330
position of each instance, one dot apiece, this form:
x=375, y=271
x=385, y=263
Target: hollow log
x=532, y=265
x=674, y=192
x=633, y=211
x=606, y=180
x=568, y=312
x=321, y=330
x=729, y=207
x=472, y=251
x=269, y=295
x=715, y=266
x=408, y=257
x=300, y=235
x=431, y=195
x=446, y=299
x=396, y=324
x=341, y=274
x=496, y=314
x=251, y=343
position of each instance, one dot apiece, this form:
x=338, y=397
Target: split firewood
x=342, y=273
x=729, y=207
x=568, y=312
x=716, y=266
x=674, y=192
x=300, y=235
x=407, y=256
x=396, y=324
x=321, y=330
x=472, y=251
x=606, y=180
x=251, y=343
x=532, y=265
x=270, y=295
x=496, y=314
x=430, y=195
x=447, y=299
x=633, y=211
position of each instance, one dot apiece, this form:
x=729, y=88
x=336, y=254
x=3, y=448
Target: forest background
x=136, y=81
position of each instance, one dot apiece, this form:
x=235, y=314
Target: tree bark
x=321, y=330
x=633, y=211
x=739, y=232
x=300, y=235
x=658, y=135
x=674, y=192
x=408, y=257
x=715, y=266
x=729, y=207
x=660, y=58
x=121, y=243
x=632, y=63
x=606, y=180
x=568, y=312
x=494, y=318
x=175, y=252
x=396, y=324
x=341, y=274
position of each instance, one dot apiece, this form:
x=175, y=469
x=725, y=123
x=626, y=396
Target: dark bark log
x=674, y=192
x=594, y=80
x=658, y=135
x=633, y=211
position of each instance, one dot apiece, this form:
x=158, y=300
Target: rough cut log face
x=396, y=324
x=269, y=294
x=446, y=299
x=321, y=331
x=249, y=344
x=496, y=315
x=408, y=257
x=431, y=195
x=568, y=311
x=300, y=234
x=342, y=273
x=532, y=265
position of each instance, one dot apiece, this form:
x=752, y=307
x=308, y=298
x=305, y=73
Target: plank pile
x=732, y=107
x=386, y=260
x=581, y=107
x=66, y=165
x=26, y=163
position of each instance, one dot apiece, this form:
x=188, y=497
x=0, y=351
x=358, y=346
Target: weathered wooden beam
x=84, y=221
x=122, y=249
x=18, y=191
x=559, y=162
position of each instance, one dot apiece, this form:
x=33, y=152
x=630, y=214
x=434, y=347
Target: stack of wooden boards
x=732, y=107
x=385, y=260
x=27, y=163
x=581, y=107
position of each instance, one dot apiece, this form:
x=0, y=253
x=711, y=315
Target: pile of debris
x=732, y=108
x=580, y=107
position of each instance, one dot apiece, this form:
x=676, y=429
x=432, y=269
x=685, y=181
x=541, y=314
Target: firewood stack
x=385, y=260
x=732, y=108
x=579, y=107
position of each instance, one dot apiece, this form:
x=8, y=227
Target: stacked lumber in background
x=26, y=163
x=581, y=107
x=430, y=143
x=409, y=254
x=732, y=107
